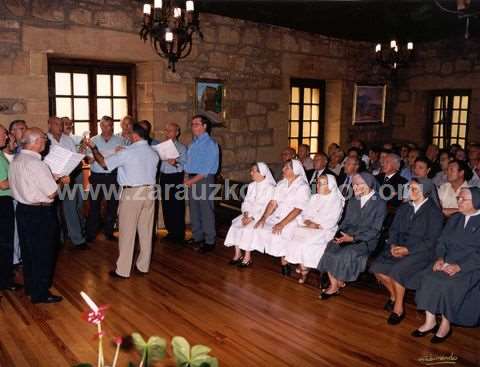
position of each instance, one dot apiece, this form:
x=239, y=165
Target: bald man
x=35, y=189
x=171, y=180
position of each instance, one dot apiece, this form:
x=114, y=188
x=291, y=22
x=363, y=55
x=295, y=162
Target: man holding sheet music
x=71, y=202
x=103, y=182
x=171, y=183
x=137, y=171
x=35, y=189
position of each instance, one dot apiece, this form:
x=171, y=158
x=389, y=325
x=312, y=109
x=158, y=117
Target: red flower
x=118, y=340
x=93, y=317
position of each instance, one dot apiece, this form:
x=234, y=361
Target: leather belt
x=136, y=187
x=40, y=204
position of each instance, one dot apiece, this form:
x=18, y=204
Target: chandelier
x=394, y=56
x=170, y=28
x=463, y=11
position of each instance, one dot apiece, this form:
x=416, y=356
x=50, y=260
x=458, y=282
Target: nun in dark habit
x=346, y=255
x=452, y=286
x=410, y=246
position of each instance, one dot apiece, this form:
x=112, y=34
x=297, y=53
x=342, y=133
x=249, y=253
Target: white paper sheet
x=166, y=150
x=62, y=161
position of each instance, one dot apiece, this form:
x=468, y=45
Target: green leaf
x=199, y=350
x=139, y=343
x=83, y=365
x=130, y=364
x=157, y=348
x=181, y=351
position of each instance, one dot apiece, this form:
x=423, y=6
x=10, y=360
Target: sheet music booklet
x=166, y=150
x=62, y=161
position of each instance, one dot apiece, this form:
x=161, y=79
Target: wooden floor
x=250, y=317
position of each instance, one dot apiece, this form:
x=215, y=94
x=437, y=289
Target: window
x=450, y=118
x=306, y=114
x=85, y=91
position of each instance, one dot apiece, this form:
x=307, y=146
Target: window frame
x=450, y=93
x=308, y=83
x=92, y=68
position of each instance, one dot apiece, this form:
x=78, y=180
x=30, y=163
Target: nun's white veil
x=265, y=171
x=298, y=170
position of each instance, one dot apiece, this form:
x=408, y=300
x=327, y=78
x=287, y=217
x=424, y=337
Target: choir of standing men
x=33, y=199
x=394, y=221
x=393, y=224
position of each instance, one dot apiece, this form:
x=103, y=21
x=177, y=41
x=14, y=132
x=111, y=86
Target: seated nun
x=410, y=245
x=451, y=287
x=276, y=227
x=318, y=224
x=346, y=255
x=259, y=194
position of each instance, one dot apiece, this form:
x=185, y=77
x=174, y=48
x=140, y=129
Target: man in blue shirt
x=137, y=172
x=171, y=183
x=201, y=168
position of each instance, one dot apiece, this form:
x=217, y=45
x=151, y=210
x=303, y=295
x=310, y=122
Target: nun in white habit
x=318, y=224
x=275, y=228
x=259, y=194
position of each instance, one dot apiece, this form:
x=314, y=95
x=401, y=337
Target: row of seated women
x=442, y=264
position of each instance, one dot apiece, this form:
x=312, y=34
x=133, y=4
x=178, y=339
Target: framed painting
x=369, y=104
x=209, y=99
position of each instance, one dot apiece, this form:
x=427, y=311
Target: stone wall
x=256, y=62
x=449, y=64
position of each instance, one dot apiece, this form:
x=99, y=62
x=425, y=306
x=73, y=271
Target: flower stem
x=115, y=358
x=101, y=361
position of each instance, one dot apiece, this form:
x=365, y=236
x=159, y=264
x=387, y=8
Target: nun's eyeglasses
x=460, y=199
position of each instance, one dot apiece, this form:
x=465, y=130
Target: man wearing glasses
x=201, y=168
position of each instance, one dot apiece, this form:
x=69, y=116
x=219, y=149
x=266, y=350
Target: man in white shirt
x=68, y=130
x=71, y=204
x=126, y=124
x=102, y=182
x=35, y=189
x=458, y=174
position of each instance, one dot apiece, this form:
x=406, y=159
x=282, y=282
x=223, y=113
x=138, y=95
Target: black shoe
x=324, y=281
x=197, y=245
x=235, y=262
x=389, y=305
x=440, y=339
x=419, y=334
x=191, y=242
x=244, y=264
x=114, y=274
x=395, y=319
x=12, y=287
x=324, y=296
x=286, y=270
x=51, y=298
x=139, y=272
x=206, y=248
x=83, y=246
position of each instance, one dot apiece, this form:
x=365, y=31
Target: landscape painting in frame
x=369, y=104
x=209, y=95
